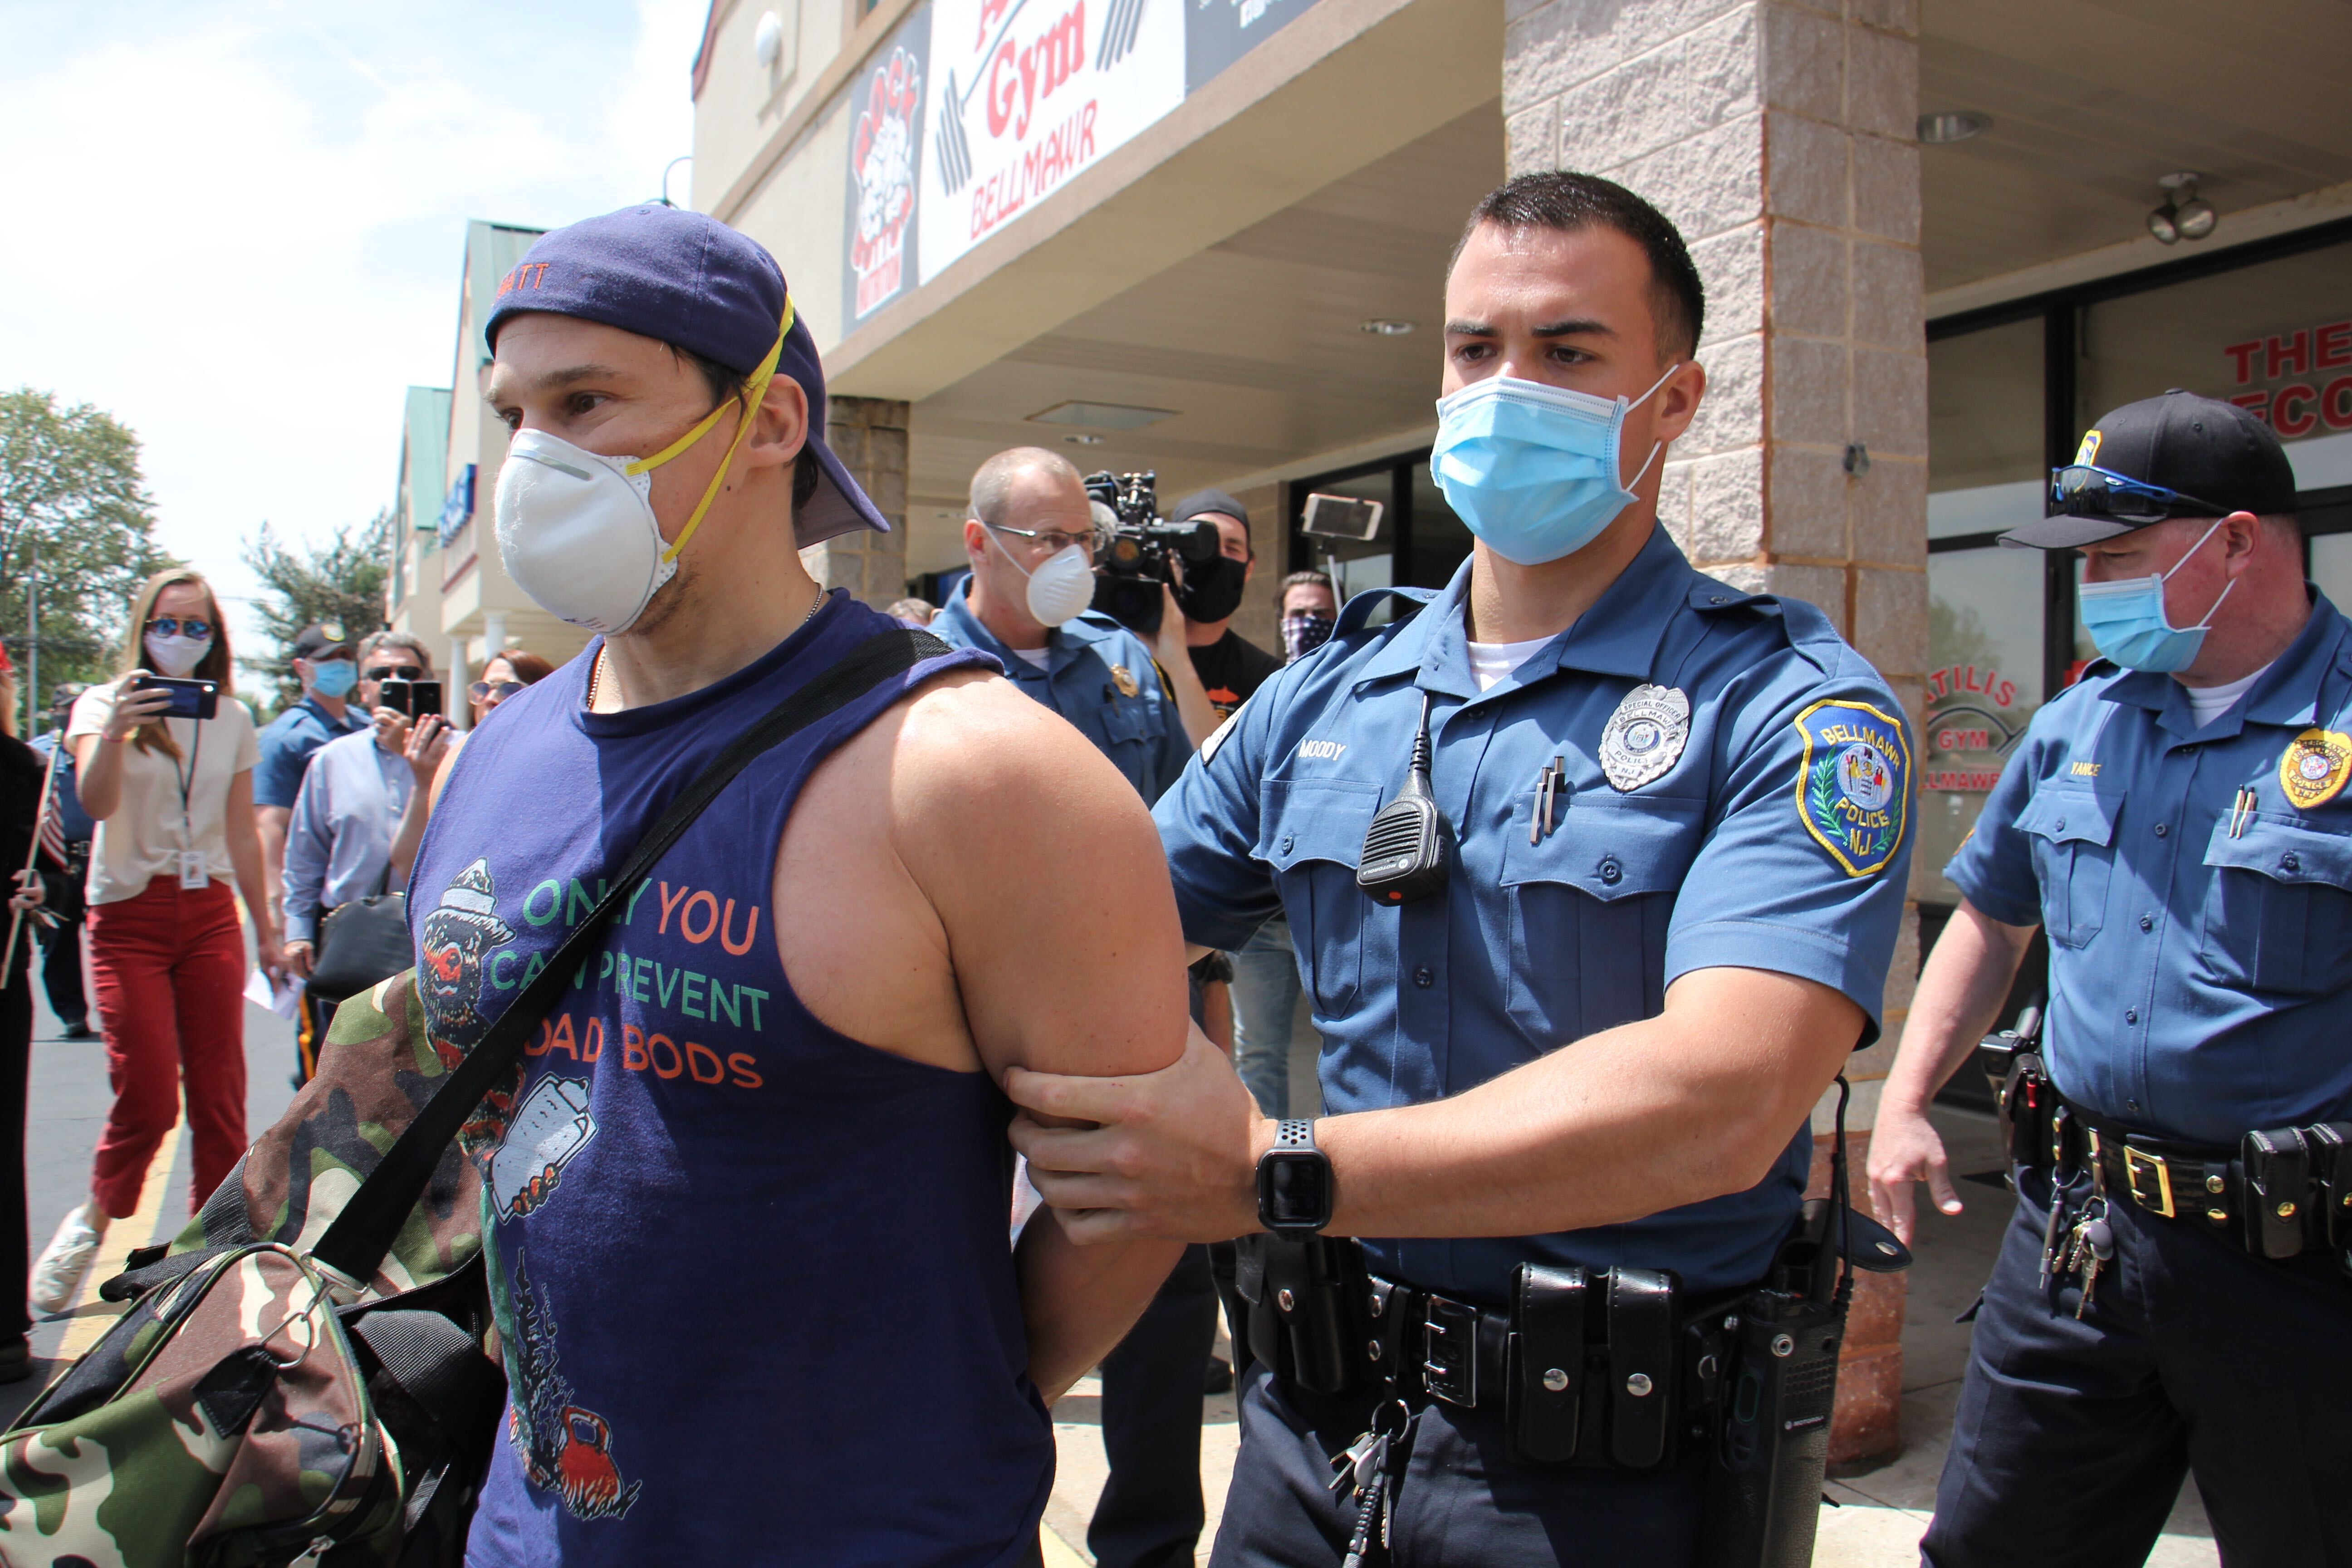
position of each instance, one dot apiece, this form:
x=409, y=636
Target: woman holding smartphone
x=173, y=798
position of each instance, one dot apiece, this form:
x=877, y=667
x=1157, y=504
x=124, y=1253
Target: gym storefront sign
x=974, y=110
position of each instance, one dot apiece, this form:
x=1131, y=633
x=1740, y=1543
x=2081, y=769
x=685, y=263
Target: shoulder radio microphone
x=1405, y=848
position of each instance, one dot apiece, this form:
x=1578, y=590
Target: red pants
x=169, y=968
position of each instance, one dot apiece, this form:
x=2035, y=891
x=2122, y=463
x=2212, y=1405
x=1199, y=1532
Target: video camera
x=1134, y=561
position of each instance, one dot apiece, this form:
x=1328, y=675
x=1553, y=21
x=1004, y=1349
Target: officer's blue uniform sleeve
x=1774, y=886
x=1994, y=865
x=277, y=776
x=1209, y=826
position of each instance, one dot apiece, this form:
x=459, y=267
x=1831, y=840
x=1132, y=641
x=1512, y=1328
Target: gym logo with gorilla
x=453, y=941
x=564, y=1446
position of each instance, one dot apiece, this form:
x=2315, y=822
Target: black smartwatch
x=1294, y=1182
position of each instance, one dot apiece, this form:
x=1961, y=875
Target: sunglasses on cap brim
x=2078, y=490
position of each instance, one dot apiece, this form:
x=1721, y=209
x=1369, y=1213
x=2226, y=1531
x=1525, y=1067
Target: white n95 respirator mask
x=577, y=530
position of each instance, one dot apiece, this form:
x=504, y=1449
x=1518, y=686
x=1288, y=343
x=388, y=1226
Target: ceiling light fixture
x=1948, y=126
x=2183, y=214
x=1103, y=415
x=1386, y=327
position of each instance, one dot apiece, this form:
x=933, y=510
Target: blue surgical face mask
x=334, y=678
x=1532, y=469
x=2127, y=623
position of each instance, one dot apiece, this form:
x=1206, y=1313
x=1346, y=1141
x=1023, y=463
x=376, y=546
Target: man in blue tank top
x=745, y=1198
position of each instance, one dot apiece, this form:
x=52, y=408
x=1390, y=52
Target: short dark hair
x=1302, y=580
x=725, y=384
x=1559, y=199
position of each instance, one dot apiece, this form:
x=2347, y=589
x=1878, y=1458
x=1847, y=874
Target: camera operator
x=1230, y=667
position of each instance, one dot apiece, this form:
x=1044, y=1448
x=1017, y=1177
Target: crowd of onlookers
x=137, y=826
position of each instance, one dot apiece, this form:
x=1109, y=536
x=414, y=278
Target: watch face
x=1296, y=1189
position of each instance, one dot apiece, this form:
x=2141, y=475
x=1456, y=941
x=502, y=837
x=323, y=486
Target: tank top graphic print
x=750, y=1275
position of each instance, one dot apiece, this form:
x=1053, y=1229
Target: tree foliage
x=342, y=581
x=69, y=487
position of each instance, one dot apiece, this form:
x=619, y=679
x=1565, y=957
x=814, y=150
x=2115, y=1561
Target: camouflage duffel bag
x=307, y=1373
x=252, y=1406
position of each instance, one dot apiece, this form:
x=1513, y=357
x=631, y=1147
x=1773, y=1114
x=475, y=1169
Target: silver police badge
x=1645, y=738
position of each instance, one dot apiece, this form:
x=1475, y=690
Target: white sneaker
x=58, y=1270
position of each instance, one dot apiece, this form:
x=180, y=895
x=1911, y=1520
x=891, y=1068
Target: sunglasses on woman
x=179, y=626
x=481, y=690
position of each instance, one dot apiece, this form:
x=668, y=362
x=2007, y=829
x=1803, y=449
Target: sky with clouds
x=238, y=225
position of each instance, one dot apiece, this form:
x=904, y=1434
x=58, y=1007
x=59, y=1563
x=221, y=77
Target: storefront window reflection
x=1984, y=647
x=1984, y=610
x=2276, y=338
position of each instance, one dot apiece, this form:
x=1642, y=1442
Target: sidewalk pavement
x=1883, y=1506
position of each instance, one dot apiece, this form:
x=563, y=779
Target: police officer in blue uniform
x=1030, y=542
x=1673, y=830
x=2171, y=1294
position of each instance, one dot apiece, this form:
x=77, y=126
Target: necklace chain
x=596, y=669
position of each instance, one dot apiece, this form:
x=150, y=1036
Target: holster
x=2029, y=1104
x=1304, y=1314
x=2277, y=1167
x=1612, y=1369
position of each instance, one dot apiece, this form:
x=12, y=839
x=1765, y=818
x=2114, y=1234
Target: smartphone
x=414, y=697
x=1342, y=517
x=190, y=698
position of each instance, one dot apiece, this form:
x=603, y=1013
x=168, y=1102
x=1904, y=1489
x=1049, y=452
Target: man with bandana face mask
x=783, y=1061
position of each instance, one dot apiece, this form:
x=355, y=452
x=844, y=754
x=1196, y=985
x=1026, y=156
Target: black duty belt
x=2279, y=1194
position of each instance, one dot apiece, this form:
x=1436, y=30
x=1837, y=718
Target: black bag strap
x=356, y=1242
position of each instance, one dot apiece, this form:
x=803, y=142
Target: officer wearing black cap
x=2171, y=1295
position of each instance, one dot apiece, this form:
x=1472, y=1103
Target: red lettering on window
x=744, y=1065
x=2290, y=356
x=2290, y=426
x=2243, y=354
x=696, y=1055
x=653, y=1045
x=2335, y=404
x=750, y=929
x=2257, y=404
x=669, y=901
x=684, y=927
x=2331, y=346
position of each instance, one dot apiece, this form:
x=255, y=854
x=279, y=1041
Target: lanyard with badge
x=196, y=873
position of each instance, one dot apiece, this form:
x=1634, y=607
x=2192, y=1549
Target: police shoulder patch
x=1854, y=783
x=2314, y=767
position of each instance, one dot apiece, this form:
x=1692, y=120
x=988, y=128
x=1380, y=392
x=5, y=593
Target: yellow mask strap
x=754, y=391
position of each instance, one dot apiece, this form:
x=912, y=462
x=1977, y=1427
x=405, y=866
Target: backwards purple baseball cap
x=688, y=280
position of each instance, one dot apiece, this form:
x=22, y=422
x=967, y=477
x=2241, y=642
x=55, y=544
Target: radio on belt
x=1406, y=845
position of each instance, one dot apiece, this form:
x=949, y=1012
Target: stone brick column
x=869, y=436
x=1779, y=135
